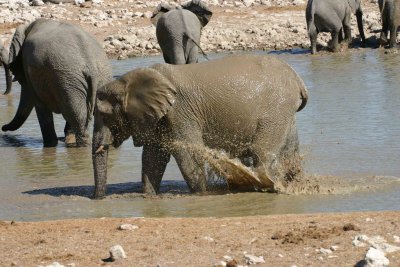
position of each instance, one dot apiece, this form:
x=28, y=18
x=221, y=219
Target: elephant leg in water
x=46, y=122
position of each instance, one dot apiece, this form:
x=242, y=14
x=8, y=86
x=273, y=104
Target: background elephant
x=390, y=13
x=4, y=61
x=59, y=67
x=333, y=16
x=244, y=105
x=178, y=30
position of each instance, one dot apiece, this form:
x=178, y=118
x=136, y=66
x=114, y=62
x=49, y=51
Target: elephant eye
x=101, y=97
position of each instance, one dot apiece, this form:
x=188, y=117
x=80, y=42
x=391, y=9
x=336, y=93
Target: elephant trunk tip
x=5, y=128
x=8, y=80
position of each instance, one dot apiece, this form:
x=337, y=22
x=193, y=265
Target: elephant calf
x=178, y=30
x=332, y=16
x=244, y=105
x=59, y=67
x=390, y=13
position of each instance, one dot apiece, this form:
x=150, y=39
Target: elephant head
x=197, y=7
x=4, y=61
x=129, y=106
x=356, y=9
x=200, y=10
x=9, y=58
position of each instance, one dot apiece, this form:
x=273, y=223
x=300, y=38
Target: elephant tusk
x=101, y=148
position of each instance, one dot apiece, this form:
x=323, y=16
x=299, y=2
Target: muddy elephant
x=178, y=30
x=333, y=16
x=244, y=105
x=390, y=14
x=59, y=67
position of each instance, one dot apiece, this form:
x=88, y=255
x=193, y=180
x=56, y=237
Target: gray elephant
x=390, y=13
x=333, y=16
x=59, y=67
x=244, y=105
x=178, y=30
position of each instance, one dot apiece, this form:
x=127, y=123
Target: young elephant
x=178, y=30
x=59, y=67
x=244, y=105
x=390, y=13
x=333, y=16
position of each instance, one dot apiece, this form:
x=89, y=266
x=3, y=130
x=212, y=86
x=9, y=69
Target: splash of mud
x=223, y=172
x=226, y=173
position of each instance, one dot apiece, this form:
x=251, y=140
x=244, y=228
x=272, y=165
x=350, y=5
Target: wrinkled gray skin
x=244, y=105
x=333, y=16
x=390, y=13
x=59, y=67
x=178, y=30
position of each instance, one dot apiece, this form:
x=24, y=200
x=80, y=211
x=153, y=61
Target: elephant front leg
x=192, y=167
x=45, y=117
x=154, y=162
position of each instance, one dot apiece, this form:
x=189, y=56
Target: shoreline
x=125, y=30
x=282, y=240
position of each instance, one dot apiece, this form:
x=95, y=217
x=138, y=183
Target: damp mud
x=348, y=142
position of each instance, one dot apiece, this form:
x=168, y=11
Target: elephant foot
x=51, y=143
x=70, y=140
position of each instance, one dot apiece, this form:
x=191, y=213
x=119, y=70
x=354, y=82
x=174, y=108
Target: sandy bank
x=282, y=240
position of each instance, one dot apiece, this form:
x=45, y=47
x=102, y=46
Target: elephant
x=59, y=67
x=333, y=16
x=244, y=105
x=390, y=13
x=178, y=30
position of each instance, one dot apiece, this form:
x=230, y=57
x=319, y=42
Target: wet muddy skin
x=348, y=132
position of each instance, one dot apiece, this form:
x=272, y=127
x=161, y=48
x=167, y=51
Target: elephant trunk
x=101, y=139
x=24, y=109
x=360, y=25
x=8, y=79
x=4, y=58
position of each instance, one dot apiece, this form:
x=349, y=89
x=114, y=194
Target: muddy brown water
x=349, y=134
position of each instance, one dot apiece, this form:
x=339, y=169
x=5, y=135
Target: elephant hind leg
x=69, y=135
x=76, y=116
x=193, y=53
x=335, y=41
x=46, y=122
x=393, y=35
x=188, y=151
x=267, y=149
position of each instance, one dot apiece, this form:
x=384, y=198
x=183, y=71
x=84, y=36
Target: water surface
x=349, y=129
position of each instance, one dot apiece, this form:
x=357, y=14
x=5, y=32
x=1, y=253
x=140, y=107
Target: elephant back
x=255, y=79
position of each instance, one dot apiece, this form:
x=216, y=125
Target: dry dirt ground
x=283, y=240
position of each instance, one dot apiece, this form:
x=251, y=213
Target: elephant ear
x=17, y=42
x=200, y=9
x=160, y=10
x=149, y=95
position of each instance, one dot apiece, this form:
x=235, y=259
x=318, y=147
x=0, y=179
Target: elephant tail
x=303, y=96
